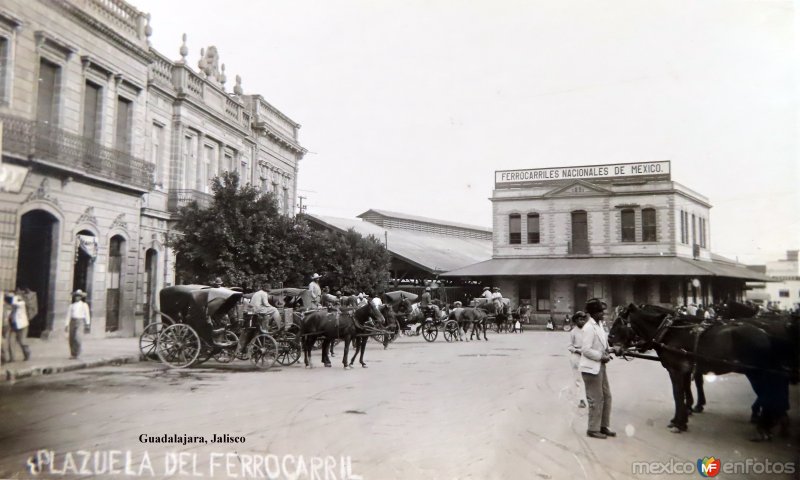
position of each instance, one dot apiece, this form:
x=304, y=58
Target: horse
x=499, y=309
x=688, y=348
x=347, y=326
x=469, y=317
x=360, y=342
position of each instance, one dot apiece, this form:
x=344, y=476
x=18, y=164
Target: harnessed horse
x=686, y=348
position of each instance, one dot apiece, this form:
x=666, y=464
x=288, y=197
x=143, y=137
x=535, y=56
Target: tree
x=242, y=237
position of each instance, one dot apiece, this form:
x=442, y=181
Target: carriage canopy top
x=398, y=295
x=194, y=305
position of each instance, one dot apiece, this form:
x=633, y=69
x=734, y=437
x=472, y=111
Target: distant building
x=105, y=138
x=402, y=221
x=623, y=233
x=784, y=291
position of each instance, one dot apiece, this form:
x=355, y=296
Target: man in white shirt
x=17, y=326
x=77, y=322
x=316, y=292
x=594, y=356
x=265, y=312
x=575, y=345
x=487, y=294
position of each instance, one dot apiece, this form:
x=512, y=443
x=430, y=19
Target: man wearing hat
x=487, y=294
x=15, y=325
x=216, y=283
x=315, y=291
x=78, y=320
x=425, y=301
x=592, y=364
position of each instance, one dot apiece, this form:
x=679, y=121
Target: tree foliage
x=242, y=238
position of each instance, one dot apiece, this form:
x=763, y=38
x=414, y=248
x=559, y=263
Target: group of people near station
x=589, y=354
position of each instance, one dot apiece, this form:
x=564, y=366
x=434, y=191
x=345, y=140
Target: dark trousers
x=8, y=343
x=598, y=394
x=75, y=334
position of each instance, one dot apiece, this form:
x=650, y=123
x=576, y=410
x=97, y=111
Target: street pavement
x=481, y=410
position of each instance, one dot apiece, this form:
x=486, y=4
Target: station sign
x=658, y=170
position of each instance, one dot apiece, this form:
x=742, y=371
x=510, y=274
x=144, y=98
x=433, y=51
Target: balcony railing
x=182, y=198
x=41, y=142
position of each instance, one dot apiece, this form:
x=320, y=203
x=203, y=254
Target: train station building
x=620, y=232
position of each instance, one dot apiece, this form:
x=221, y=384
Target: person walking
x=575, y=345
x=17, y=326
x=77, y=322
x=594, y=356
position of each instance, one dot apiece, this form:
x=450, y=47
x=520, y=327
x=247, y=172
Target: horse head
x=621, y=334
x=375, y=314
x=388, y=314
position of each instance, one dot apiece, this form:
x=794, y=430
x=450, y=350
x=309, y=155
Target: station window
x=783, y=293
x=628, y=225
x=514, y=229
x=533, y=228
x=648, y=225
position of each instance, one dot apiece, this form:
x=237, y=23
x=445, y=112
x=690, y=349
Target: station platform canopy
x=427, y=252
x=599, y=266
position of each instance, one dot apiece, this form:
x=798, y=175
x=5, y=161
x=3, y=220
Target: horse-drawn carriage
x=197, y=323
x=409, y=314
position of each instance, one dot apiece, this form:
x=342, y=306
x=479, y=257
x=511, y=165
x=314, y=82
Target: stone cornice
x=183, y=97
x=10, y=21
x=267, y=129
x=103, y=29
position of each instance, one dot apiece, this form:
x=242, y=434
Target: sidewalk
x=52, y=356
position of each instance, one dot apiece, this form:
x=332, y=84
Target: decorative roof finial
x=237, y=89
x=184, y=50
x=201, y=64
x=148, y=30
x=222, y=77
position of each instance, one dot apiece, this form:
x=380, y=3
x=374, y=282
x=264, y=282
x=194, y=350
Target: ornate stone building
x=104, y=138
x=623, y=233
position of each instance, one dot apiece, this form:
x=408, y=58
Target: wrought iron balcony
x=181, y=198
x=45, y=144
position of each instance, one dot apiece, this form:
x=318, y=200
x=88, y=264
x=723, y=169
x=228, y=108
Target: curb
x=11, y=375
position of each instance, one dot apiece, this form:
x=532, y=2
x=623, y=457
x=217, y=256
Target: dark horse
x=686, y=348
x=469, y=317
x=497, y=309
x=347, y=326
x=360, y=342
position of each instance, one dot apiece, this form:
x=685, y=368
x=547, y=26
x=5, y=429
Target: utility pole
x=302, y=207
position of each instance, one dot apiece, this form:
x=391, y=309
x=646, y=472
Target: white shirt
x=19, y=313
x=316, y=292
x=497, y=295
x=487, y=295
x=377, y=301
x=80, y=310
x=575, y=340
x=260, y=302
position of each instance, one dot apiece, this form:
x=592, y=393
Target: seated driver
x=265, y=313
x=425, y=302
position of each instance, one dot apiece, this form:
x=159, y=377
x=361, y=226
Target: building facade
x=784, y=291
x=622, y=233
x=103, y=140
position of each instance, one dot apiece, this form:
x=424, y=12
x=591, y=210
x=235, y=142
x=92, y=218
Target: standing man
x=77, y=322
x=17, y=325
x=315, y=291
x=594, y=356
x=575, y=346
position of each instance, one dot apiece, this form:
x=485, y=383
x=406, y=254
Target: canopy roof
x=659, y=266
x=432, y=253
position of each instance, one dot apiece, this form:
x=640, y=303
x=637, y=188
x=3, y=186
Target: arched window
x=649, y=225
x=533, y=228
x=514, y=229
x=628, y=225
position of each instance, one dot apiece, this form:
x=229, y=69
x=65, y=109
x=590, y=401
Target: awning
x=656, y=266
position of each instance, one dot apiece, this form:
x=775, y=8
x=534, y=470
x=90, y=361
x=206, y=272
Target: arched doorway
x=85, y=254
x=114, y=282
x=150, y=283
x=36, y=265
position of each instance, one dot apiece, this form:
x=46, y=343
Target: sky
x=412, y=105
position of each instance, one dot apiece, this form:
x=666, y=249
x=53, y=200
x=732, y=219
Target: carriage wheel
x=149, y=339
x=430, y=332
x=288, y=350
x=263, y=351
x=227, y=354
x=451, y=330
x=178, y=346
